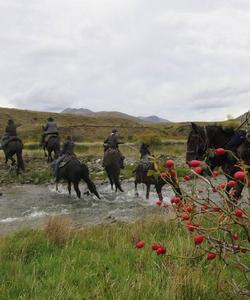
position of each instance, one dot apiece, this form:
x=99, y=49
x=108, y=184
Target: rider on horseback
x=68, y=150
x=48, y=130
x=112, y=142
x=10, y=132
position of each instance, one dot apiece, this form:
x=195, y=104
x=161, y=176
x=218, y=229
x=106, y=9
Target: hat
x=114, y=130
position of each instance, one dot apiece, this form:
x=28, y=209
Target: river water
x=31, y=205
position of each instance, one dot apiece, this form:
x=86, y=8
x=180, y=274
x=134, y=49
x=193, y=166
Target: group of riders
x=111, y=143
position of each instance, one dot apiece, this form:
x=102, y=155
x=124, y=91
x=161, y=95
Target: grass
x=102, y=263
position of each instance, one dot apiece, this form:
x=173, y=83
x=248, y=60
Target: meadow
x=102, y=262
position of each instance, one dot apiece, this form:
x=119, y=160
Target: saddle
x=6, y=140
x=66, y=160
x=145, y=163
x=48, y=136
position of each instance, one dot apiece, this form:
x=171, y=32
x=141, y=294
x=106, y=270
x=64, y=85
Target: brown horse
x=203, y=139
x=142, y=175
x=14, y=147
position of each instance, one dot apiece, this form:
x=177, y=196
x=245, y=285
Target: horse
x=142, y=176
x=52, y=145
x=14, y=147
x=203, y=139
x=112, y=162
x=73, y=171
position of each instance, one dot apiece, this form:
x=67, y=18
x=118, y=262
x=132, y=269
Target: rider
x=49, y=129
x=10, y=132
x=112, y=142
x=144, y=150
x=68, y=150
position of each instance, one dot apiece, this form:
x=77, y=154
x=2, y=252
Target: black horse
x=142, y=175
x=112, y=163
x=14, y=147
x=73, y=171
x=203, y=139
x=52, y=145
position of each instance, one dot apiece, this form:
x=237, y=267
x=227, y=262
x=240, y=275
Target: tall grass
x=102, y=263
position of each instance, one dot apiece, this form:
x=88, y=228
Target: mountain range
x=113, y=114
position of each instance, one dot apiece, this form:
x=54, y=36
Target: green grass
x=102, y=263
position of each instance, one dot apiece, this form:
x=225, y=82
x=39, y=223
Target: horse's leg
x=110, y=180
x=49, y=157
x=117, y=183
x=69, y=187
x=76, y=187
x=147, y=191
x=45, y=153
x=158, y=190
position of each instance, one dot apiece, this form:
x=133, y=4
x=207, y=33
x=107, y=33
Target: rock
x=37, y=180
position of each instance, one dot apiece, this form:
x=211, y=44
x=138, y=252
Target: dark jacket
x=68, y=148
x=10, y=130
x=113, y=141
x=50, y=127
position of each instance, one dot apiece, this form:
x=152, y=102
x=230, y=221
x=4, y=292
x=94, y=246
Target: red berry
x=200, y=190
x=219, y=151
x=140, y=244
x=211, y=255
x=187, y=208
x=169, y=163
x=190, y=227
x=175, y=200
x=186, y=178
x=235, y=237
x=216, y=173
x=231, y=183
x=163, y=175
x=194, y=163
x=172, y=173
x=214, y=189
x=161, y=250
x=222, y=185
x=185, y=216
x=239, y=175
x=155, y=246
x=216, y=209
x=197, y=225
x=238, y=213
x=204, y=207
x=198, y=170
x=198, y=239
x=158, y=202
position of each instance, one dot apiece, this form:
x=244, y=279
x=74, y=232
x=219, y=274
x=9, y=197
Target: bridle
x=202, y=140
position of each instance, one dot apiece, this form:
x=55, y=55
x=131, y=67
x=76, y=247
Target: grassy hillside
x=92, y=129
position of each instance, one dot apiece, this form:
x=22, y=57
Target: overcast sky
x=181, y=60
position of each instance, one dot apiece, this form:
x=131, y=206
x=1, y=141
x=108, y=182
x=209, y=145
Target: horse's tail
x=20, y=163
x=89, y=182
x=113, y=173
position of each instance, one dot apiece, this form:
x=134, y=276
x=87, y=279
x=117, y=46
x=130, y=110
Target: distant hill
x=154, y=119
x=113, y=114
x=242, y=117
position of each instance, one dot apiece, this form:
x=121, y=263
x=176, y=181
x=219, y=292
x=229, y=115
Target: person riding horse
x=48, y=130
x=10, y=133
x=112, y=142
x=67, y=151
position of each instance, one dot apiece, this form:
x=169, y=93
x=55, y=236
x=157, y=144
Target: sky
x=182, y=60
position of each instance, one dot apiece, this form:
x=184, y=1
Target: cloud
x=183, y=60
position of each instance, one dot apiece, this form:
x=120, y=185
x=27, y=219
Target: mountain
x=113, y=114
x=153, y=119
x=78, y=111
